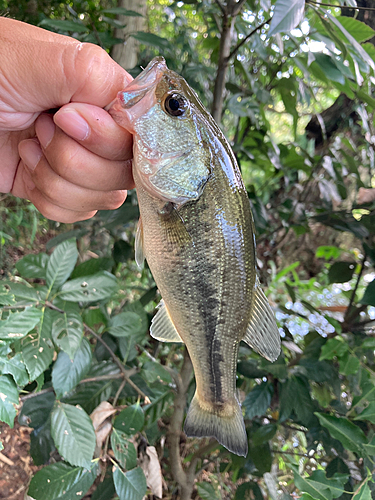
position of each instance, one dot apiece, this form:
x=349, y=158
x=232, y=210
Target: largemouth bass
x=197, y=233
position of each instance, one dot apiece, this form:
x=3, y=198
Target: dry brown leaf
x=365, y=195
x=101, y=435
x=152, y=470
x=101, y=413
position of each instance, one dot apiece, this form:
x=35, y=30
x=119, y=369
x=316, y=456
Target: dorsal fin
x=162, y=327
x=262, y=333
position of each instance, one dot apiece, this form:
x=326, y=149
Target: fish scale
x=197, y=233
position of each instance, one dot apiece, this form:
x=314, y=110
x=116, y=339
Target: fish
x=196, y=232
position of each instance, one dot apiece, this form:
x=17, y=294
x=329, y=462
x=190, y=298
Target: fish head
x=172, y=133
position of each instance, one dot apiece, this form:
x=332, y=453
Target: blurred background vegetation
x=298, y=110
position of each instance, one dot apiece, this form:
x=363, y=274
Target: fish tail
x=228, y=430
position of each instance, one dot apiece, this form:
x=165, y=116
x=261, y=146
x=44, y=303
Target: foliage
x=73, y=328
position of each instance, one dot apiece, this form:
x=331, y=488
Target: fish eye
x=175, y=104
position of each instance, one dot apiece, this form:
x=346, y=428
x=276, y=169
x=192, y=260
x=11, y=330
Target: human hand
x=73, y=163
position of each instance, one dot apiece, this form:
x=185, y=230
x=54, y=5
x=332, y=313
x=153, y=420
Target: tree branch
x=174, y=432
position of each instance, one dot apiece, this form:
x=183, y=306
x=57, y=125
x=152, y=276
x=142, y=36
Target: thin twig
x=348, y=314
x=318, y=4
x=221, y=7
x=124, y=371
x=237, y=47
x=84, y=381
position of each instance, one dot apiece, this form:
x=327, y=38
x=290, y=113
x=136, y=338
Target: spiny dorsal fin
x=262, y=333
x=162, y=327
x=139, y=254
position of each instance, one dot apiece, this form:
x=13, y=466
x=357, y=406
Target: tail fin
x=228, y=430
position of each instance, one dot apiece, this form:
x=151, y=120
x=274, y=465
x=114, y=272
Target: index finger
x=96, y=130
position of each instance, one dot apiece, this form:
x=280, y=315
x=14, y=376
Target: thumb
x=43, y=70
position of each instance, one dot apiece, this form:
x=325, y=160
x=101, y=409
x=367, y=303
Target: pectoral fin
x=139, y=253
x=162, y=327
x=262, y=333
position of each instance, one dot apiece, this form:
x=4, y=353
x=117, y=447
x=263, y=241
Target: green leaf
x=360, y=31
x=369, y=295
x=37, y=347
x=349, y=364
x=207, y=492
x=8, y=398
x=122, y=12
x=73, y=433
x=130, y=420
x=61, y=263
x=130, y=485
x=333, y=347
x=262, y=458
x=67, y=329
x=319, y=486
x=328, y=252
x=249, y=369
x=351, y=436
x=20, y=324
x=92, y=266
x=99, y=286
x=16, y=367
x=33, y=266
x=368, y=413
x=341, y=272
x=263, y=434
x=67, y=373
x=328, y=67
x=363, y=494
x=258, y=400
x=62, y=25
x=42, y=445
x=152, y=40
x=62, y=482
x=154, y=371
x=104, y=490
x=127, y=323
x=286, y=16
x=122, y=251
x=25, y=292
x=244, y=489
x=124, y=450
x=366, y=58
x=35, y=411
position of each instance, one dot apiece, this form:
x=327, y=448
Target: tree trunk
x=224, y=51
x=126, y=54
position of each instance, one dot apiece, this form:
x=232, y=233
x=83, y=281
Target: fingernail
x=72, y=124
x=30, y=152
x=45, y=130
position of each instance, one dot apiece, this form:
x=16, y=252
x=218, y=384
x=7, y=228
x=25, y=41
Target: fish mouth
x=141, y=86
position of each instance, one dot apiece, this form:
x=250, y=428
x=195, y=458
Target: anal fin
x=262, y=333
x=162, y=327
